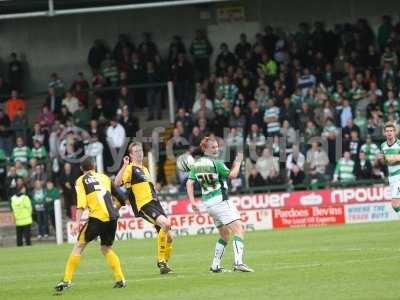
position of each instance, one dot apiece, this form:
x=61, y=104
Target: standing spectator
x=126, y=95
x=53, y=101
x=39, y=202
x=225, y=57
x=80, y=87
x=116, y=135
x=182, y=75
x=22, y=209
x=67, y=181
x=3, y=175
x=363, y=168
x=13, y=104
x=344, y=171
x=45, y=118
x=97, y=54
x=5, y=133
x=201, y=51
x=384, y=31
x=242, y=47
x=306, y=81
x=15, y=73
x=129, y=122
x=153, y=94
x=52, y=193
x=58, y=85
x=176, y=47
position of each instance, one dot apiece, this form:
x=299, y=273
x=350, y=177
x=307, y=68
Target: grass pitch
x=340, y=262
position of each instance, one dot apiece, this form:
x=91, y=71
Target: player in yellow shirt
x=143, y=198
x=95, y=191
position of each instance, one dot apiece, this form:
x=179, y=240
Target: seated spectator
x=235, y=138
x=82, y=116
x=255, y=138
x=271, y=119
x=64, y=116
x=204, y=112
x=45, y=117
x=38, y=151
x=317, y=160
x=306, y=81
x=370, y=149
x=20, y=151
x=228, y=89
x=288, y=132
x=56, y=83
x=201, y=102
x=392, y=101
x=362, y=168
x=184, y=117
x=70, y=102
x=254, y=115
x=304, y=115
x=195, y=137
x=295, y=159
x=345, y=112
x=80, y=87
x=237, y=119
x=126, y=95
x=21, y=170
x=220, y=122
x=268, y=166
x=14, y=104
x=203, y=126
x=344, y=171
x=255, y=179
x=353, y=145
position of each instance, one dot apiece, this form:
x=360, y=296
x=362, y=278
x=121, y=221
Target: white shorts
x=223, y=213
x=394, y=183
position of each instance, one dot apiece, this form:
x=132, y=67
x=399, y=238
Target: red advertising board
x=308, y=216
x=326, y=197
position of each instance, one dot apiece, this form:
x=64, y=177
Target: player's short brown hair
x=390, y=125
x=88, y=164
x=205, y=142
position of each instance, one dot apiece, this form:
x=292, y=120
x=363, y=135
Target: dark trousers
x=24, y=232
x=202, y=67
x=154, y=103
x=43, y=222
x=183, y=95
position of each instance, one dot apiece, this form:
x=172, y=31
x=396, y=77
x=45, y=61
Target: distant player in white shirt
x=390, y=152
x=211, y=175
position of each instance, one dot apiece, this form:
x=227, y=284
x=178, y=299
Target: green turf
x=343, y=262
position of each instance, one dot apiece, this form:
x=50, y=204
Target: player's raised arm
x=236, y=166
x=119, y=178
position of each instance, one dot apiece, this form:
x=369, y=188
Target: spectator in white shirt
x=268, y=165
x=70, y=102
x=200, y=102
x=295, y=159
x=115, y=135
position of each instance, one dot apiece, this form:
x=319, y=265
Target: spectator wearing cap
x=13, y=104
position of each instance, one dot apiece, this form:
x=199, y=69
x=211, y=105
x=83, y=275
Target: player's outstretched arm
x=119, y=178
x=236, y=166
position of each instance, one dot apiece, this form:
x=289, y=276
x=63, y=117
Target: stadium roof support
x=51, y=12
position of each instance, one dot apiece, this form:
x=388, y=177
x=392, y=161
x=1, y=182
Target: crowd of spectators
x=261, y=96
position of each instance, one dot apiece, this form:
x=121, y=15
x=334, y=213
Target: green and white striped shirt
x=21, y=154
x=344, y=170
x=394, y=149
x=370, y=150
x=211, y=174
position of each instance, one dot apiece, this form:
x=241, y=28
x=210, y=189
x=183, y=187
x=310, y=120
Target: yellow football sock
x=72, y=264
x=114, y=263
x=162, y=245
x=168, y=250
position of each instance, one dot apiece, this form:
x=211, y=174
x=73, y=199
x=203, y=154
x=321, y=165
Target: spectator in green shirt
x=21, y=151
x=52, y=193
x=38, y=151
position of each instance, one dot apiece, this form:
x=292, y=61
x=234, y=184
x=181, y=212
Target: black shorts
x=151, y=211
x=94, y=228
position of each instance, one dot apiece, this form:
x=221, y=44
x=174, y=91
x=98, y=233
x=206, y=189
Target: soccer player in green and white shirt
x=390, y=152
x=211, y=175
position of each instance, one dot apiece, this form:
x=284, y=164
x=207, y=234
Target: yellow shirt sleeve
x=80, y=194
x=127, y=176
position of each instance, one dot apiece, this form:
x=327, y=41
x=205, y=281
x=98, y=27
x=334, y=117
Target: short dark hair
x=88, y=164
